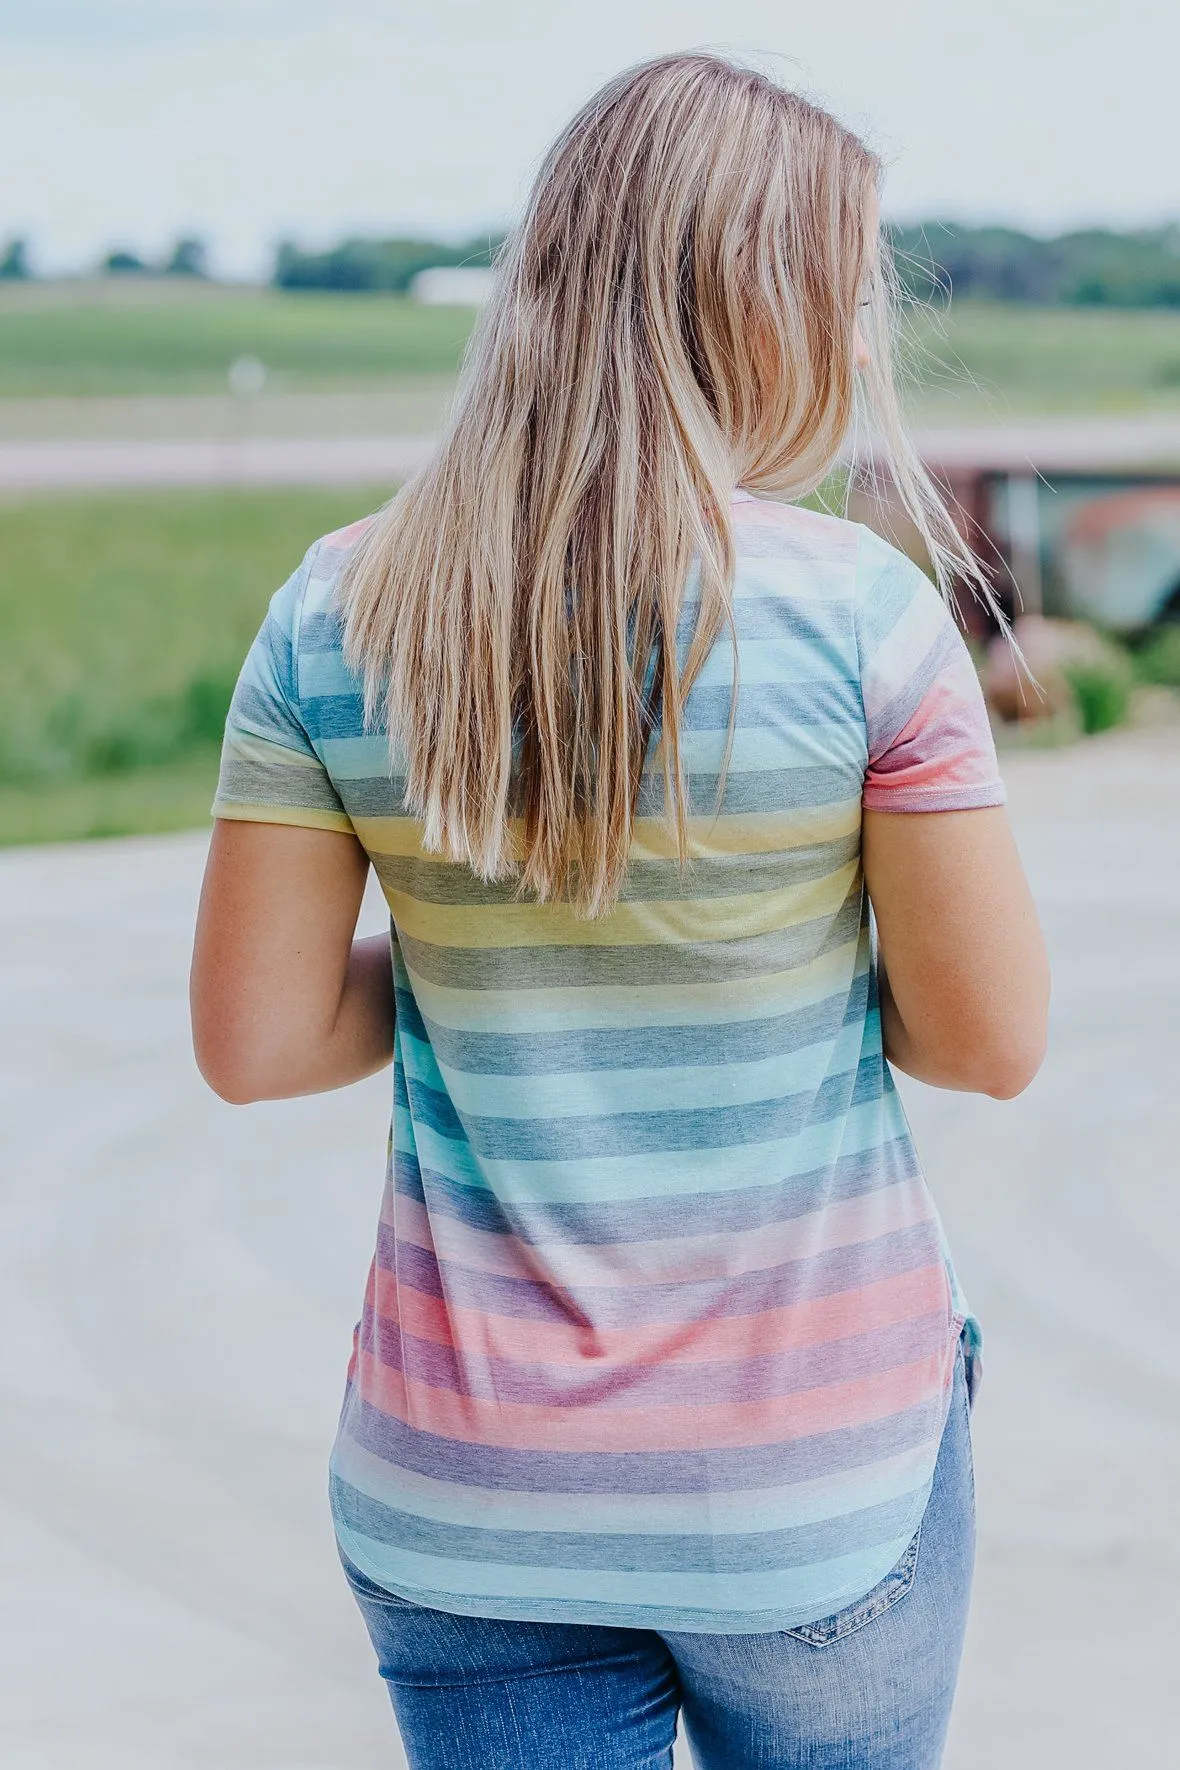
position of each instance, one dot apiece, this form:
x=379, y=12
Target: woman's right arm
x=964, y=973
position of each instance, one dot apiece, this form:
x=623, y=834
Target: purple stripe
x=725, y=1470
x=622, y=1306
x=671, y=1384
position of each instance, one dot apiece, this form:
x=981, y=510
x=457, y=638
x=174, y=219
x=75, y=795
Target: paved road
x=203, y=461
x=60, y=464
x=178, y=1282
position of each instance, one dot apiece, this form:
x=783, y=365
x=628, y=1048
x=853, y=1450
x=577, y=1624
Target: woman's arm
x=965, y=977
x=284, y=1000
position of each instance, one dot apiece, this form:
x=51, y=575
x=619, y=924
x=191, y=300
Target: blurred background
x=242, y=243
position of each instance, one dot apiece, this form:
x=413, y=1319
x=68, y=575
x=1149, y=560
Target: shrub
x=1158, y=658
x=188, y=259
x=83, y=736
x=121, y=263
x=1102, y=695
x=14, y=261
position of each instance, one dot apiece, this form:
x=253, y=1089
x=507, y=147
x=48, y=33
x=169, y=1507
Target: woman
x=660, y=1394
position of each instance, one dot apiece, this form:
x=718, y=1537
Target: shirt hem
x=672, y=1618
x=687, y=1620
x=936, y=799
x=302, y=817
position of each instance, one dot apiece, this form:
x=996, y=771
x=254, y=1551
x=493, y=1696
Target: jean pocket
x=973, y=1370
x=884, y=1595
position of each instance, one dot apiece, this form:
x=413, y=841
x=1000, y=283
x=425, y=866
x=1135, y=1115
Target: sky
x=129, y=122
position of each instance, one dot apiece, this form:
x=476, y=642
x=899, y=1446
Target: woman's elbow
x=1008, y=1068
x=1011, y=1078
x=240, y=1070
x=244, y=1050
x=233, y=1079
x=1000, y=1044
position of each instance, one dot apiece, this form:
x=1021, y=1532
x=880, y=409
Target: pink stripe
x=518, y=1426
x=721, y=1339
x=837, y=539
x=689, y=1259
x=947, y=742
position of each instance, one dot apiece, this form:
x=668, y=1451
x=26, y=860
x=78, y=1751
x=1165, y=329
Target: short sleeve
x=930, y=744
x=270, y=770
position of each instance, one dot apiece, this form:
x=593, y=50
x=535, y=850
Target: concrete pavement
x=179, y=1279
x=272, y=444
x=209, y=461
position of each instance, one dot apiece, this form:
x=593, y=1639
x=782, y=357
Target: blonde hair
x=673, y=316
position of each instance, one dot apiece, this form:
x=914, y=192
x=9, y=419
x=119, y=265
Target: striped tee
x=661, y=1324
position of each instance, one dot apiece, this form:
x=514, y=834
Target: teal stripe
x=611, y=1091
x=692, y=1600
x=742, y=1553
x=689, y=1045
x=634, y=1513
x=603, y=1178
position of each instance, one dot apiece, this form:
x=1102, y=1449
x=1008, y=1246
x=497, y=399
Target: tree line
x=390, y=265
x=1086, y=267
x=1095, y=267
x=187, y=258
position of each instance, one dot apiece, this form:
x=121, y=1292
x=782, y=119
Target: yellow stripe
x=746, y=833
x=749, y=832
x=247, y=746
x=613, y=1005
x=641, y=923
x=298, y=815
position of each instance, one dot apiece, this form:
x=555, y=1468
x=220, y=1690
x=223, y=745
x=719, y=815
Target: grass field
x=128, y=340
x=986, y=360
x=125, y=619
x=146, y=340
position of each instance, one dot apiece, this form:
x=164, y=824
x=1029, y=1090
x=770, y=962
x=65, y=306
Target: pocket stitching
x=896, y=1584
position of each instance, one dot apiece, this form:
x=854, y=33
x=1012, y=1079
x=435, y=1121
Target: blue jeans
x=867, y=1689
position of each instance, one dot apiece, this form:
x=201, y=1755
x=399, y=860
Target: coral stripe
x=885, y=1303
x=517, y=1426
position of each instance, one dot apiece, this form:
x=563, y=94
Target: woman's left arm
x=284, y=1000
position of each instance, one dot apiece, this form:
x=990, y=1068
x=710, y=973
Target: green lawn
x=987, y=359
x=125, y=619
x=145, y=339
x=87, y=342
x=144, y=801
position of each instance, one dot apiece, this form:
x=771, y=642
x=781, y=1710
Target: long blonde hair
x=673, y=316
